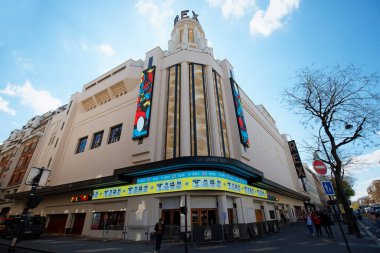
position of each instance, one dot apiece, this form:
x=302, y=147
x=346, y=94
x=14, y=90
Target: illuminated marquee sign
x=144, y=104
x=239, y=113
x=191, y=174
x=80, y=198
x=180, y=184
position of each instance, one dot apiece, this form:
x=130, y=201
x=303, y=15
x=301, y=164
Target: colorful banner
x=239, y=113
x=191, y=173
x=180, y=184
x=144, y=100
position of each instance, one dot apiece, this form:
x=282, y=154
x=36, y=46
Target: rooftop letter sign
x=239, y=113
x=296, y=159
x=144, y=103
x=184, y=15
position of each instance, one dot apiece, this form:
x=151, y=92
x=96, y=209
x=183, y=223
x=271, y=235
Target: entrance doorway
x=57, y=223
x=202, y=216
x=231, y=217
x=172, y=221
x=259, y=215
x=78, y=223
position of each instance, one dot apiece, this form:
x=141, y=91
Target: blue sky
x=50, y=49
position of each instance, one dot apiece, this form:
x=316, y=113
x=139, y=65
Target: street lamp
x=37, y=177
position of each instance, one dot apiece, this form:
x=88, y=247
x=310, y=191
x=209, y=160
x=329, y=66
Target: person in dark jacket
x=159, y=228
x=326, y=223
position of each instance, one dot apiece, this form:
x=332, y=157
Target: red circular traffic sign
x=320, y=167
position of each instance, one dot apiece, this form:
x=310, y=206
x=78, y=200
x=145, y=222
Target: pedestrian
x=326, y=222
x=283, y=218
x=159, y=229
x=317, y=223
x=309, y=223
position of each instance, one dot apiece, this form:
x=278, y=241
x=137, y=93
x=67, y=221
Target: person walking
x=309, y=224
x=326, y=222
x=159, y=228
x=317, y=223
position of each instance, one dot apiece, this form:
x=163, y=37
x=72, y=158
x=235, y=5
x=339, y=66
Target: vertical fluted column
x=185, y=111
x=161, y=126
x=212, y=111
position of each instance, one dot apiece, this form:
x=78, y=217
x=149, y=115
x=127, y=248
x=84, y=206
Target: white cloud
x=84, y=46
x=106, y=49
x=362, y=163
x=157, y=11
x=5, y=108
x=40, y=101
x=233, y=8
x=265, y=22
x=22, y=61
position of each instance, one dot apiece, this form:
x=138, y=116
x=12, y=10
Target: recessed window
x=115, y=134
x=97, y=139
x=81, y=145
x=191, y=36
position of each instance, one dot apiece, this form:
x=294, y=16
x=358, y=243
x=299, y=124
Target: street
x=293, y=238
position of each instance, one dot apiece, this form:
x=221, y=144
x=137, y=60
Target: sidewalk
x=293, y=238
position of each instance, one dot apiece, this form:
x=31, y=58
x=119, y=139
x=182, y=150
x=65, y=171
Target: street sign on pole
x=327, y=187
x=320, y=167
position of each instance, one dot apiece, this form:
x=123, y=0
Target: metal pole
x=340, y=226
x=186, y=223
x=20, y=226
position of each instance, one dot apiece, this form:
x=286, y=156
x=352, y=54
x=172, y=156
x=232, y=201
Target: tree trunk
x=352, y=224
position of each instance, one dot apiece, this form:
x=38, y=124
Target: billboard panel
x=239, y=113
x=144, y=104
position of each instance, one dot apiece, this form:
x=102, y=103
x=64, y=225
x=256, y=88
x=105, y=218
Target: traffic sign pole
x=340, y=225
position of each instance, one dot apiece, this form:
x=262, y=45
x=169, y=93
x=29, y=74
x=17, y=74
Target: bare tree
x=341, y=106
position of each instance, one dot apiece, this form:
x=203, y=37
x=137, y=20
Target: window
x=199, y=129
x=63, y=124
x=221, y=120
x=272, y=215
x=49, y=162
x=97, y=140
x=81, y=145
x=173, y=113
x=56, y=142
x=191, y=36
x=108, y=220
x=115, y=134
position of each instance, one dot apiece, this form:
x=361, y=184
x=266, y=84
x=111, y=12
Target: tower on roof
x=188, y=34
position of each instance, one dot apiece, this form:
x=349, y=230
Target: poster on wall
x=144, y=103
x=239, y=113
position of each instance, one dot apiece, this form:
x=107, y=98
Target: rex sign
x=296, y=159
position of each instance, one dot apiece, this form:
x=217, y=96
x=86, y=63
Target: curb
x=27, y=248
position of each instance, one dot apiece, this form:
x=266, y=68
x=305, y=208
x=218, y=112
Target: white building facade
x=194, y=133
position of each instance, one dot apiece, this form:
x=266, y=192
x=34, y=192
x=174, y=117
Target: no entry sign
x=320, y=167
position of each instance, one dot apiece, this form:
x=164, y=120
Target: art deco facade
x=138, y=138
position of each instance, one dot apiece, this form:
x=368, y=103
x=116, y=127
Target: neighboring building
x=374, y=192
x=194, y=132
x=312, y=189
x=364, y=201
x=17, y=156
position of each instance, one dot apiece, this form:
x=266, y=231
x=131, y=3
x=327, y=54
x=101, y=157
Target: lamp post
x=36, y=177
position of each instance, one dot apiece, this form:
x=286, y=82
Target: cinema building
x=139, y=138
